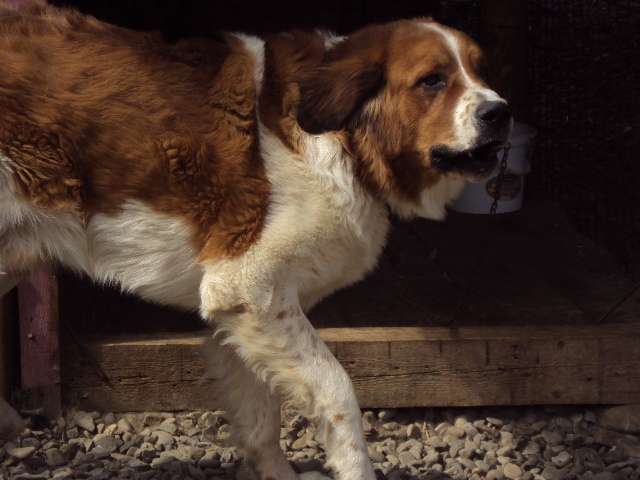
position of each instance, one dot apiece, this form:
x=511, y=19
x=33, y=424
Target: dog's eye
x=435, y=81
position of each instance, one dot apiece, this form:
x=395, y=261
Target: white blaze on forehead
x=475, y=93
x=454, y=43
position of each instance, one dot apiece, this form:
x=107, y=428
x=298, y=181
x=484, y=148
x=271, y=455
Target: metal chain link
x=500, y=179
x=473, y=275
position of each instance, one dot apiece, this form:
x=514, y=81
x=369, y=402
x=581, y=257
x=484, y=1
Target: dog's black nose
x=494, y=113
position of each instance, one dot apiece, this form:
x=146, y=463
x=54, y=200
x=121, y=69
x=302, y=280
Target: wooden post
x=39, y=341
x=7, y=351
x=503, y=37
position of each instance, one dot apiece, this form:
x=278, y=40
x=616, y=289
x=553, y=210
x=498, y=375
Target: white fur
x=145, y=252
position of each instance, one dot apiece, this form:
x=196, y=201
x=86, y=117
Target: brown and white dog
x=247, y=179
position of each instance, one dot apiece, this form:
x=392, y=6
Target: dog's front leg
x=285, y=352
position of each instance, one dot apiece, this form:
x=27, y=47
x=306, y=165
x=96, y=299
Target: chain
x=464, y=294
x=500, y=179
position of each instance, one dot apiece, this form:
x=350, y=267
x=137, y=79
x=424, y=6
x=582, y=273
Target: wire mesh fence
x=585, y=101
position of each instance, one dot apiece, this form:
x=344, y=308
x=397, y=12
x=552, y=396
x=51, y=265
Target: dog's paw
x=313, y=475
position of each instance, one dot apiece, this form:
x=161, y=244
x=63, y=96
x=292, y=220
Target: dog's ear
x=330, y=96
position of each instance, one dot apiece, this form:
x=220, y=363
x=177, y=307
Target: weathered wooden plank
x=40, y=342
x=399, y=367
x=6, y=347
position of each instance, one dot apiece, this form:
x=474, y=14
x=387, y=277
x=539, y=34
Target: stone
x=496, y=422
x=107, y=443
x=211, y=459
x=162, y=462
x=195, y=473
x=385, y=414
x=538, y=426
x=55, y=458
x=553, y=438
x=164, y=438
x=552, y=473
x=170, y=428
x=512, y=471
x=407, y=458
x=531, y=448
x=302, y=442
x=85, y=420
x=431, y=458
x=152, y=419
x=505, y=452
x=21, y=452
x=375, y=455
x=110, y=429
x=455, y=431
x=562, y=459
x=413, y=431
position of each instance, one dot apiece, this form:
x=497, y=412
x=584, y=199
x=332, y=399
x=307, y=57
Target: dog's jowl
x=246, y=179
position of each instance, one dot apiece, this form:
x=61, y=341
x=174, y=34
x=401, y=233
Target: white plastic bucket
x=479, y=197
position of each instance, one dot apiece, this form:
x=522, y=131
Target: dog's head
x=412, y=98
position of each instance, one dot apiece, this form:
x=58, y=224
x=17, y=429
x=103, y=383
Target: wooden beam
x=6, y=346
x=39, y=341
x=390, y=367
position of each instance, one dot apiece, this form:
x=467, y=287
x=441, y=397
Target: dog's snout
x=495, y=114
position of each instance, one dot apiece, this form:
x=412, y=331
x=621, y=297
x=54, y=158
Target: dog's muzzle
x=494, y=122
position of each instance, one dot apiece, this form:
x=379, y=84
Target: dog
x=245, y=178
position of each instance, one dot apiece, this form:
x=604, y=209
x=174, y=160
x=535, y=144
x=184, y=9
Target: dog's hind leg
x=254, y=412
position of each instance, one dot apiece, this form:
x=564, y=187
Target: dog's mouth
x=475, y=163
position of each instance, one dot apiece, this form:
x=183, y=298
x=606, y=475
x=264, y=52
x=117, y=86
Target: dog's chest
x=327, y=231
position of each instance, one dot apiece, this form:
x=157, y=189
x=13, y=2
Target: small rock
x=302, y=442
x=366, y=426
x=407, y=458
x=195, y=473
x=552, y=473
x=55, y=458
x=538, y=426
x=107, y=443
x=85, y=420
x=170, y=428
x=562, y=459
x=482, y=466
x=552, y=438
x=387, y=413
x=496, y=474
x=512, y=471
x=455, y=431
x=496, y=422
x=210, y=459
x=590, y=416
x=413, y=431
x=164, y=438
x=505, y=452
x=21, y=452
x=375, y=455
x=532, y=448
x=162, y=461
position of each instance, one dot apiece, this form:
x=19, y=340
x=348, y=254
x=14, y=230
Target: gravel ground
x=550, y=443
